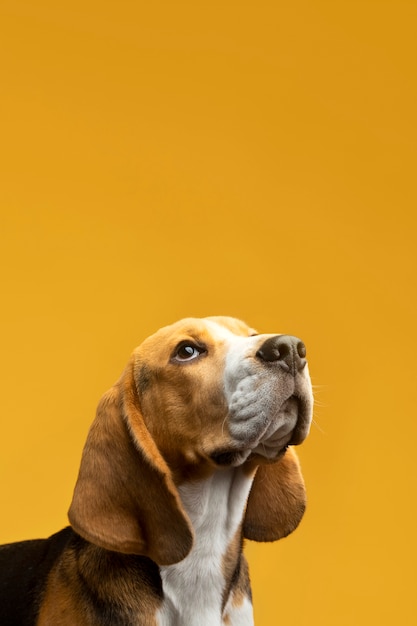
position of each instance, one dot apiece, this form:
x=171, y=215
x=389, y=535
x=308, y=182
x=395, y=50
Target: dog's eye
x=187, y=351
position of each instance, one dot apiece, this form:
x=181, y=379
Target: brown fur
x=277, y=500
x=160, y=425
x=90, y=586
x=235, y=570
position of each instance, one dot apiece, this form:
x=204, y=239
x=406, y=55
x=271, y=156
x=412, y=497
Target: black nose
x=289, y=352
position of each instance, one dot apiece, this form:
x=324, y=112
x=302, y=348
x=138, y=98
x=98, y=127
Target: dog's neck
x=196, y=589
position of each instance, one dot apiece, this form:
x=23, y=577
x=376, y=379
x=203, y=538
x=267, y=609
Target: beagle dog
x=188, y=455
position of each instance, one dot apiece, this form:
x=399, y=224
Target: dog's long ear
x=125, y=499
x=276, y=501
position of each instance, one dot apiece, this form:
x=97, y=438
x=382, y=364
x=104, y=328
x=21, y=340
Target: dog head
x=196, y=397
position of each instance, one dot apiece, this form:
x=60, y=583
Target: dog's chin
x=266, y=451
x=235, y=458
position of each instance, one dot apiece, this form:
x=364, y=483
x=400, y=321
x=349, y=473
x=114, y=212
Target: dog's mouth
x=304, y=417
x=230, y=457
x=289, y=426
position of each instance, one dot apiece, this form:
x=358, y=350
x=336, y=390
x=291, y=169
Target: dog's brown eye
x=187, y=351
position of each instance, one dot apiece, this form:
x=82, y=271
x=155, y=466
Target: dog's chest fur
x=198, y=589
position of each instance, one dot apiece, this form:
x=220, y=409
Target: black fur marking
x=144, y=378
x=24, y=568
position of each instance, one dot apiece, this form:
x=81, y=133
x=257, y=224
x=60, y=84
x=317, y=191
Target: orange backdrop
x=256, y=159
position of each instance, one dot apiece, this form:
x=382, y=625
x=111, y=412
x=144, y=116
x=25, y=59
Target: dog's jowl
x=191, y=451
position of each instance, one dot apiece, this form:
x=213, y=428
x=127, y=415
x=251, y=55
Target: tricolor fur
x=187, y=456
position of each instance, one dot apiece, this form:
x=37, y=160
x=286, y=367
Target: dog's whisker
x=224, y=423
x=317, y=426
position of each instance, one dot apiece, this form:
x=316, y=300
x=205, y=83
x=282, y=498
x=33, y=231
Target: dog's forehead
x=226, y=326
x=216, y=328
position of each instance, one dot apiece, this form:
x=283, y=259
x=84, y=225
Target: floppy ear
x=276, y=501
x=125, y=499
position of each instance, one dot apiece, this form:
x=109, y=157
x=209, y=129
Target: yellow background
x=256, y=159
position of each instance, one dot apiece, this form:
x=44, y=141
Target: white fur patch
x=241, y=615
x=193, y=589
